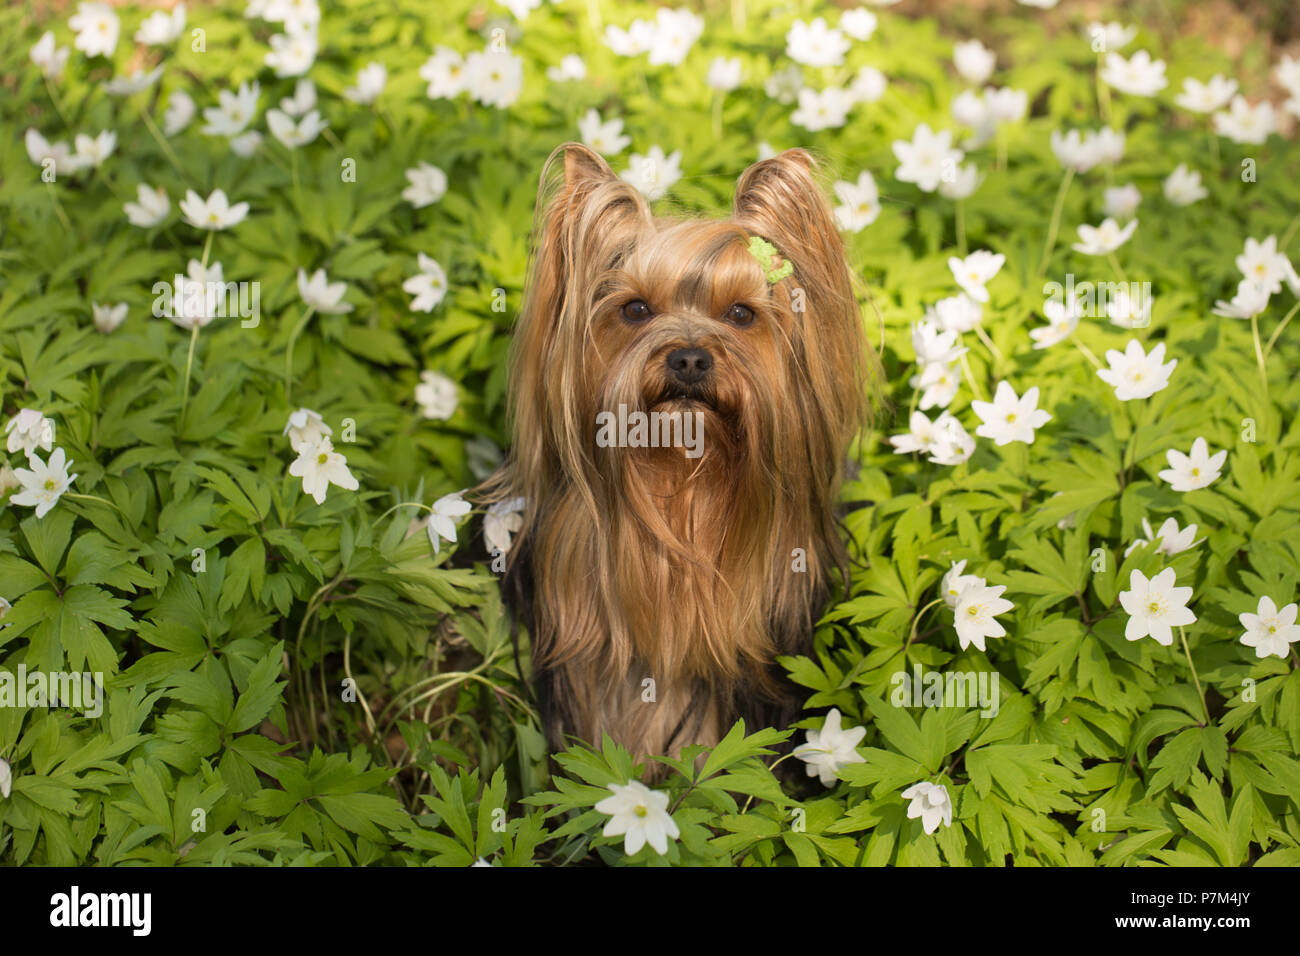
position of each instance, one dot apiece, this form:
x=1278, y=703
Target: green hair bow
x=774, y=267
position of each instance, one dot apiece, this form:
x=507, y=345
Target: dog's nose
x=688, y=366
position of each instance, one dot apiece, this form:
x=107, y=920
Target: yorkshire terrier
x=659, y=580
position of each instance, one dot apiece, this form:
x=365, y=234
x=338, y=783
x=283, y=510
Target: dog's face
x=747, y=326
x=683, y=320
x=661, y=315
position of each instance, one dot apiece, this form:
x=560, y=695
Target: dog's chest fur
x=660, y=587
x=672, y=610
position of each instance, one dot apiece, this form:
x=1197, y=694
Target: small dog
x=659, y=583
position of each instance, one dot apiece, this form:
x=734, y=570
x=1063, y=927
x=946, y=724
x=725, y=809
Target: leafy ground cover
x=1088, y=508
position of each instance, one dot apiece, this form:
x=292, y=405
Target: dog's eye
x=636, y=311
x=740, y=315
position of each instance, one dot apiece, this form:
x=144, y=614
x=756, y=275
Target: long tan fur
x=638, y=563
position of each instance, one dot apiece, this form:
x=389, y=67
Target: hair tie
x=774, y=267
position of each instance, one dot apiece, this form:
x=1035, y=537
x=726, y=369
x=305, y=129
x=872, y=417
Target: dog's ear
x=783, y=200
x=784, y=203
x=585, y=214
x=583, y=165
x=587, y=220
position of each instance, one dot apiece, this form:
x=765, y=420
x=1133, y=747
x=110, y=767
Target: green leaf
x=262, y=692
x=48, y=538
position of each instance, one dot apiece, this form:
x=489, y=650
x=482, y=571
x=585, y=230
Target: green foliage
x=293, y=683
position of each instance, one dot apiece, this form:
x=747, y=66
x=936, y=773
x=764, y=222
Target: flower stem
x=58, y=107
x=1057, y=209
x=189, y=365
x=1259, y=354
x=988, y=343
x=297, y=189
x=1195, y=677
x=1268, y=348
x=961, y=227
x=1087, y=352
x=1290, y=231
x=970, y=376
x=207, y=249
x=403, y=504
x=1114, y=264
x=717, y=115
x=917, y=620
x=288, y=353
x=102, y=501
x=776, y=763
x=194, y=332
x=1103, y=95
x=164, y=145
x=58, y=206
x=1139, y=420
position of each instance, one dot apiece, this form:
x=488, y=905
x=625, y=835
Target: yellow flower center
x=322, y=458
x=641, y=811
x=50, y=484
